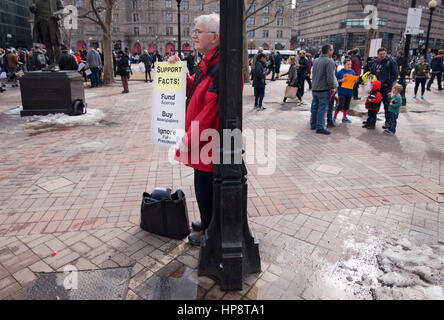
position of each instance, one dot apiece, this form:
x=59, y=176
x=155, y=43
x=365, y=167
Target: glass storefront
x=15, y=29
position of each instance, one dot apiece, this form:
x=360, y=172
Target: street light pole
x=178, y=28
x=228, y=248
x=402, y=80
x=432, y=6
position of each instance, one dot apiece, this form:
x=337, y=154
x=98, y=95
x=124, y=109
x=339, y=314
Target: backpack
x=77, y=108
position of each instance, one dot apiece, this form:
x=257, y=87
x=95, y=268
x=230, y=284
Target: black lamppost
x=178, y=28
x=228, y=249
x=432, y=6
x=402, y=81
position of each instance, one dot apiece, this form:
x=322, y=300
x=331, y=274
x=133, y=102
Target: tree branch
x=259, y=9
x=266, y=24
x=89, y=18
x=251, y=5
x=96, y=13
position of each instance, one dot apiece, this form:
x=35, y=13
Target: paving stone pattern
x=71, y=196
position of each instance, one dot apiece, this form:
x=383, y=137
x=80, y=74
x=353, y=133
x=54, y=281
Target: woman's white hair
x=211, y=21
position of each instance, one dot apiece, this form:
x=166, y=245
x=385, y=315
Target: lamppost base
x=229, y=250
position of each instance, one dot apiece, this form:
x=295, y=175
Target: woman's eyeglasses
x=199, y=32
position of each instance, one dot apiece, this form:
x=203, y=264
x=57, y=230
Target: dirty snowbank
x=411, y=272
x=93, y=117
x=387, y=268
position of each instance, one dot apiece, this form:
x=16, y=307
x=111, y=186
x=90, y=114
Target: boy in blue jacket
x=345, y=95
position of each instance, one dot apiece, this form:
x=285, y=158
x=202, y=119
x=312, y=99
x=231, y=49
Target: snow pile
x=15, y=111
x=411, y=272
x=92, y=117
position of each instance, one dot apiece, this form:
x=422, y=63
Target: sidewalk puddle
x=174, y=282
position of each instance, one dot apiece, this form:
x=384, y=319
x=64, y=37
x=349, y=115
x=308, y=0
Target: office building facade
x=341, y=23
x=15, y=29
x=152, y=25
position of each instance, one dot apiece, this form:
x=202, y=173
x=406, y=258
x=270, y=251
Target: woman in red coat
x=202, y=114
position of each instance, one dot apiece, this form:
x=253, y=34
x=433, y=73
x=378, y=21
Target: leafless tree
x=250, y=11
x=101, y=13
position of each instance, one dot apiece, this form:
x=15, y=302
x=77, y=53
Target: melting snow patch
x=411, y=272
x=15, y=111
x=93, y=117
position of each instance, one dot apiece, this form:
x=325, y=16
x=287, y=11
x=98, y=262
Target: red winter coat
x=202, y=107
x=374, y=99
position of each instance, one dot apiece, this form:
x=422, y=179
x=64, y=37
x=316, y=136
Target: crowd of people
x=330, y=97
x=88, y=62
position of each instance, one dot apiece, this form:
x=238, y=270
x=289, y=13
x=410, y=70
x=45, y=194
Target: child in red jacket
x=372, y=104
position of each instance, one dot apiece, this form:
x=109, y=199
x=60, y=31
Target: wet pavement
x=332, y=210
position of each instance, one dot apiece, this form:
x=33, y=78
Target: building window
x=135, y=17
x=151, y=30
x=168, y=4
x=265, y=20
x=186, y=18
x=280, y=22
x=267, y=9
x=78, y=3
x=250, y=34
x=186, y=32
x=264, y=33
x=201, y=6
x=169, y=17
x=169, y=31
x=134, y=4
x=359, y=23
x=251, y=21
x=252, y=9
x=185, y=5
x=279, y=34
x=280, y=9
x=151, y=4
x=136, y=31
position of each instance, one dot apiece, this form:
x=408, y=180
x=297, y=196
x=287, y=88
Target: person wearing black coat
x=145, y=58
x=301, y=74
x=123, y=70
x=259, y=82
x=191, y=62
x=67, y=61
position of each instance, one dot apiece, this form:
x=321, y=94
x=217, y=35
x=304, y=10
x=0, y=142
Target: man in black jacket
x=191, y=62
x=385, y=69
x=67, y=61
x=145, y=58
x=437, y=66
x=259, y=82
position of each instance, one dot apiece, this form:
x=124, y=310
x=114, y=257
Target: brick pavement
x=77, y=190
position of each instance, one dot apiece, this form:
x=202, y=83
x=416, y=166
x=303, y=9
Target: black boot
x=196, y=226
x=194, y=238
